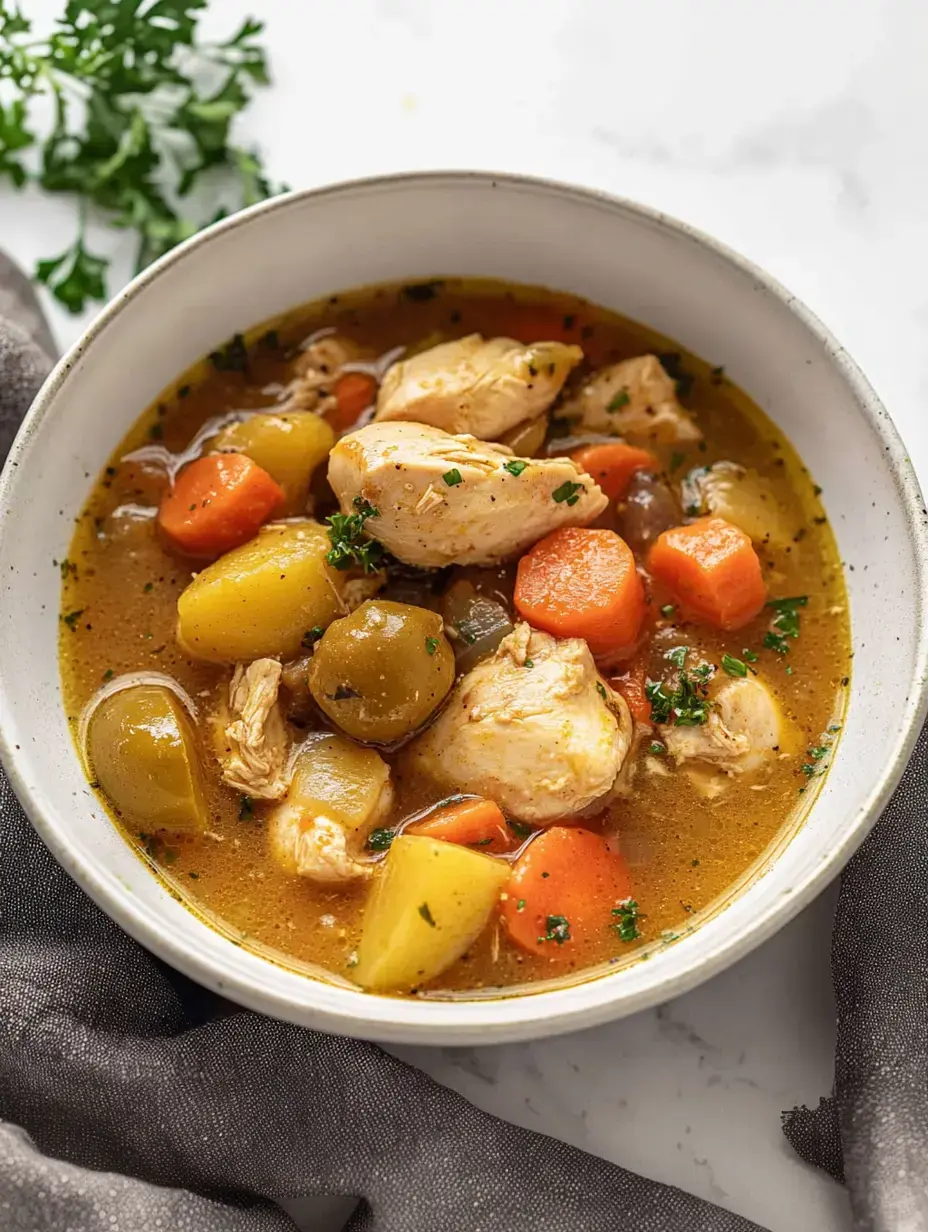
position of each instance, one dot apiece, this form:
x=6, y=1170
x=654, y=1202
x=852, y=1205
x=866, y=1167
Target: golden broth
x=686, y=852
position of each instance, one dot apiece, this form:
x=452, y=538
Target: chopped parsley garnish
x=785, y=623
x=431, y=645
x=717, y=375
x=568, y=492
x=72, y=618
x=515, y=466
x=194, y=876
x=601, y=689
x=232, y=357
x=156, y=432
x=684, y=706
x=657, y=749
x=422, y=292
x=529, y=662
x=108, y=674
x=557, y=928
x=148, y=587
x=668, y=610
x=520, y=905
x=677, y=656
x=67, y=568
x=453, y=477
x=481, y=842
x=672, y=363
x=626, y=922
x=380, y=839
x=676, y=461
x=749, y=656
x=311, y=636
x=246, y=808
x=349, y=546
x=426, y=915
x=518, y=829
x=734, y=666
x=622, y=398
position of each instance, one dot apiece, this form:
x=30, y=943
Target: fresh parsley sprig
x=141, y=120
x=350, y=546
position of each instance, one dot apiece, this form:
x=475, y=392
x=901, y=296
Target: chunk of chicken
x=340, y=792
x=445, y=500
x=479, y=386
x=252, y=739
x=534, y=728
x=317, y=369
x=635, y=399
x=745, y=728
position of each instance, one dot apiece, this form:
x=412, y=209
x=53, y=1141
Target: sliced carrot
x=613, y=465
x=354, y=393
x=631, y=684
x=471, y=823
x=218, y=503
x=578, y=582
x=538, y=323
x=562, y=891
x=712, y=570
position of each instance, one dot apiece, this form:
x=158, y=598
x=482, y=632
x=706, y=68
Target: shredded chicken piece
x=317, y=369
x=254, y=744
x=316, y=846
x=636, y=399
x=745, y=728
x=483, y=387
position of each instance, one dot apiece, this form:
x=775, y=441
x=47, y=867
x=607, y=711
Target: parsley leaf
x=453, y=477
x=431, y=645
x=733, y=666
x=246, y=808
x=622, y=398
x=785, y=623
x=427, y=915
x=349, y=544
x=568, y=491
x=687, y=704
x=141, y=128
x=626, y=922
x=311, y=636
x=515, y=466
x=557, y=928
x=380, y=839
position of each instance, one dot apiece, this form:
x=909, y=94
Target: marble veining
x=793, y=131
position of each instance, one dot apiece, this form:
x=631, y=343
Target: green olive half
x=381, y=672
x=142, y=750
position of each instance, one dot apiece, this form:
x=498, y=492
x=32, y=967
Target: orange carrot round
x=218, y=503
x=711, y=568
x=562, y=891
x=578, y=582
x=471, y=823
x=354, y=393
x=612, y=465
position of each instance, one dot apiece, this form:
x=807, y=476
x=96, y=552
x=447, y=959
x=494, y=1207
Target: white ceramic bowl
x=306, y=245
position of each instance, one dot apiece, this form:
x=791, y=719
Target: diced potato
x=340, y=779
x=743, y=497
x=289, y=447
x=261, y=599
x=142, y=750
x=430, y=902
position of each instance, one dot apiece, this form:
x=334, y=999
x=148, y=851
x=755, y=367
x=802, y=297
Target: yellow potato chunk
x=339, y=779
x=261, y=599
x=142, y=751
x=427, y=906
x=289, y=447
x=743, y=497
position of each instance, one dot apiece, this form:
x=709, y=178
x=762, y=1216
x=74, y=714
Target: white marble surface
x=794, y=131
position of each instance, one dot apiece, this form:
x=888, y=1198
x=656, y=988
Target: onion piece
x=474, y=623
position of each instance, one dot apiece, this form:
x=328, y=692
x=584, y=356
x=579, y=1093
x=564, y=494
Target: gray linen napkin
x=131, y=1099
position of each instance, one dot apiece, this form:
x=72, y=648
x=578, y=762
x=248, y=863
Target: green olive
x=382, y=671
x=142, y=750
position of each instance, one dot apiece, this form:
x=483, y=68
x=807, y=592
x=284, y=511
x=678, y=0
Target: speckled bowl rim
x=534, y=1015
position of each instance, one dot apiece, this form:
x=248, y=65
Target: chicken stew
x=454, y=638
